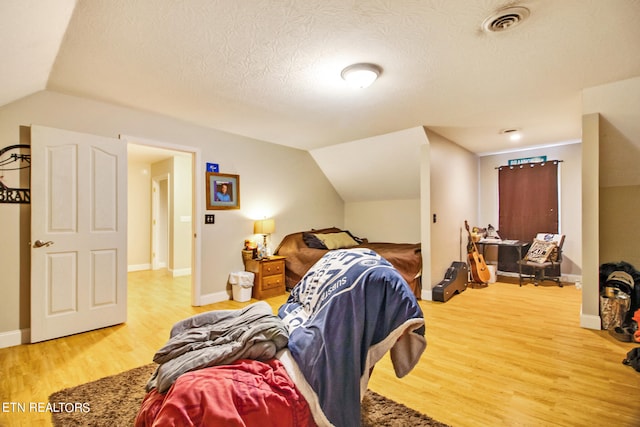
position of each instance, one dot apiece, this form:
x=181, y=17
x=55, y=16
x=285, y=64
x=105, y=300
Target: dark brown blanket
x=405, y=257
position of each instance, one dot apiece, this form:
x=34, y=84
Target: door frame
x=156, y=209
x=197, y=188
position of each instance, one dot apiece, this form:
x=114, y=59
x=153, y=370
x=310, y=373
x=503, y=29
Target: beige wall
x=570, y=173
x=448, y=187
x=275, y=180
x=590, y=312
x=395, y=221
x=178, y=170
x=182, y=216
x=619, y=228
x=453, y=188
x=379, y=180
x=610, y=184
x=139, y=215
x=618, y=105
x=382, y=167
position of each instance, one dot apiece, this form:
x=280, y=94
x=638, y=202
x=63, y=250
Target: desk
x=517, y=244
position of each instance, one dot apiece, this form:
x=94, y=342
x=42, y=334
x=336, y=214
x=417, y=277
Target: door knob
x=40, y=243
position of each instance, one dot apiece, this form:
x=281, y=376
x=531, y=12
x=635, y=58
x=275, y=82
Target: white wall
x=275, y=181
x=570, y=172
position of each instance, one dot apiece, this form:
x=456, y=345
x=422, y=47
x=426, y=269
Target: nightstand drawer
x=270, y=282
x=270, y=268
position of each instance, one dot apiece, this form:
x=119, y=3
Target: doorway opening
x=161, y=201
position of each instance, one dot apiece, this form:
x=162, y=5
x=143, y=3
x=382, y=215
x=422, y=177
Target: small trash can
x=493, y=277
x=241, y=285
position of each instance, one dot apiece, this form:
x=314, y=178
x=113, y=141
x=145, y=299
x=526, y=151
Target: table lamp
x=264, y=227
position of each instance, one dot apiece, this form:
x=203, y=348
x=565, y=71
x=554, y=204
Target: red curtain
x=528, y=200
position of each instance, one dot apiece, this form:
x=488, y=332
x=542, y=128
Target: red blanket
x=245, y=393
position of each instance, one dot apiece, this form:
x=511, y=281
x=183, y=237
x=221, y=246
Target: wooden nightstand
x=269, y=276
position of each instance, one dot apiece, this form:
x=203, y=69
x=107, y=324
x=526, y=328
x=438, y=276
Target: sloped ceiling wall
x=29, y=44
x=385, y=167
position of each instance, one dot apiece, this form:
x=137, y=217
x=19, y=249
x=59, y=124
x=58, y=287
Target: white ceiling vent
x=505, y=19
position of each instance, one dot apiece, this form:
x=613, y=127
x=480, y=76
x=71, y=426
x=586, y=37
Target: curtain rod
x=533, y=163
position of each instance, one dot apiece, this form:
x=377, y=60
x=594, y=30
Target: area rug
x=114, y=402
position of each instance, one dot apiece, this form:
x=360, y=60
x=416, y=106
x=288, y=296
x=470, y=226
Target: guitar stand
x=478, y=285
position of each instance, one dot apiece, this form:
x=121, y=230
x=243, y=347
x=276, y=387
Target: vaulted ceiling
x=270, y=69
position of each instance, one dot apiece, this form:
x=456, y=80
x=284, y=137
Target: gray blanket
x=217, y=338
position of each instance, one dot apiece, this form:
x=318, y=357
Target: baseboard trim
x=214, y=297
x=426, y=294
x=13, y=338
x=181, y=272
x=138, y=267
x=565, y=278
x=590, y=321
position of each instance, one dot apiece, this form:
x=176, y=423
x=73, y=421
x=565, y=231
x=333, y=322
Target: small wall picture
x=223, y=191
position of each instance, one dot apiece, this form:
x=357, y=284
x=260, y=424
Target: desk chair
x=543, y=259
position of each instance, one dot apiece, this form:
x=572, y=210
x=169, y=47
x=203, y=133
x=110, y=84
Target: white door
x=78, y=232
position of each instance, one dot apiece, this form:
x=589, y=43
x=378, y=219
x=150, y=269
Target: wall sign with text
x=15, y=165
x=526, y=160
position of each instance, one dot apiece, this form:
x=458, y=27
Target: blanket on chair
x=348, y=310
x=216, y=338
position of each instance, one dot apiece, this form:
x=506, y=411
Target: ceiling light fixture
x=514, y=134
x=361, y=75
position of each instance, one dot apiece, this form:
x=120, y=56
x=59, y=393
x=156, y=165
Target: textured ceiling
x=270, y=69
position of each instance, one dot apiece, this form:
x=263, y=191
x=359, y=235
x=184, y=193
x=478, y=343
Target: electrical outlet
x=209, y=219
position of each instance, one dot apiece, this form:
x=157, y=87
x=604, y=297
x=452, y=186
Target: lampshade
x=264, y=226
x=361, y=75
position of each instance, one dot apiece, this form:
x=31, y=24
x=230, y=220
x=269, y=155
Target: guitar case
x=455, y=281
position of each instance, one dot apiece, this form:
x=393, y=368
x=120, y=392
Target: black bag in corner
x=607, y=269
x=633, y=359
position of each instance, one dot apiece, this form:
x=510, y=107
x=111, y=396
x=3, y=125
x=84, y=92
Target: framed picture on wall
x=223, y=191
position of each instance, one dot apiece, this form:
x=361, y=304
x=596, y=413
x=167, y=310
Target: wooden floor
x=498, y=356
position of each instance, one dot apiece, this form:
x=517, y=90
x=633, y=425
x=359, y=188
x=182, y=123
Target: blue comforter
x=349, y=309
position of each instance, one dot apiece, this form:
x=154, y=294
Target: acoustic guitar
x=479, y=270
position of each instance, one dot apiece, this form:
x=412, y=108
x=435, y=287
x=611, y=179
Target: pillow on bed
x=340, y=240
x=312, y=241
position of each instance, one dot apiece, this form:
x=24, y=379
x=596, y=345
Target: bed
x=303, y=249
x=309, y=365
